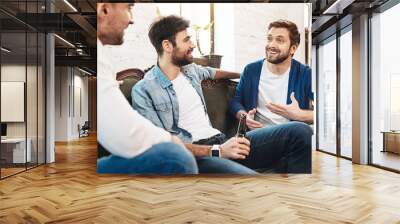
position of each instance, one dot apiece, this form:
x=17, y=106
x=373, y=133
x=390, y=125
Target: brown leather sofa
x=217, y=94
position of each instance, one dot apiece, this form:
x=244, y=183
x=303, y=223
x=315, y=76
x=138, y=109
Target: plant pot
x=214, y=60
x=201, y=61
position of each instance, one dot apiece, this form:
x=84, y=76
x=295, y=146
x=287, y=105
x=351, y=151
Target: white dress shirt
x=121, y=130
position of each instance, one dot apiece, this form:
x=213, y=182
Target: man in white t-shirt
x=135, y=144
x=170, y=96
x=275, y=94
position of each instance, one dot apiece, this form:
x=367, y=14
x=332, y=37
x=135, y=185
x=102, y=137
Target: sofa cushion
x=217, y=94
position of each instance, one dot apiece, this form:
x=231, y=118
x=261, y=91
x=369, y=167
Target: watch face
x=215, y=153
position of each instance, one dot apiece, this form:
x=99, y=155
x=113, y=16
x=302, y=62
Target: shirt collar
x=162, y=78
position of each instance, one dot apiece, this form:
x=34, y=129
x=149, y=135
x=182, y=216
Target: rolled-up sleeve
x=203, y=72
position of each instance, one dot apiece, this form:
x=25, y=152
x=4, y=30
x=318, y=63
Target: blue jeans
x=284, y=148
x=162, y=159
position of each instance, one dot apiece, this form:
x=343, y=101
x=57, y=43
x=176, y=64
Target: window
x=385, y=85
x=22, y=63
x=346, y=93
x=327, y=96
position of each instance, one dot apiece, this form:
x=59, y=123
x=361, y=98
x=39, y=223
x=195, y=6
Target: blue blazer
x=246, y=95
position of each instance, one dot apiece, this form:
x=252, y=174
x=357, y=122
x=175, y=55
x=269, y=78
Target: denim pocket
x=162, y=107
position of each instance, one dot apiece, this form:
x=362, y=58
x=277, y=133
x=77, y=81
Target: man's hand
x=291, y=111
x=250, y=122
x=235, y=148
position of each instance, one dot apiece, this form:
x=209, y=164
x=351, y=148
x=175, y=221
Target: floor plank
x=70, y=191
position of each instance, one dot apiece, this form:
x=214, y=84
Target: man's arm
x=234, y=148
x=213, y=73
x=221, y=74
x=306, y=116
x=199, y=150
x=121, y=130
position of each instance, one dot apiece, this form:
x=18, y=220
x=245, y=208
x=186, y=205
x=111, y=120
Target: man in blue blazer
x=275, y=94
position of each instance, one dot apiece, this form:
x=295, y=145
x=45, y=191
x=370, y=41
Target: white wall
x=248, y=23
x=67, y=116
x=240, y=34
x=61, y=103
x=33, y=127
x=16, y=72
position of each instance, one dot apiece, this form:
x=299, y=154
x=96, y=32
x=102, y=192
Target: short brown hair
x=294, y=34
x=166, y=28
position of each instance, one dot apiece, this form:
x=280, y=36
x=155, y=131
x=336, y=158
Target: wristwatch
x=215, y=151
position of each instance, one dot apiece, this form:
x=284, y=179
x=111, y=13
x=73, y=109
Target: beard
x=180, y=59
x=278, y=57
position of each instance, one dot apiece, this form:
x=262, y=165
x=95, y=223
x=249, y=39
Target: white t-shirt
x=192, y=116
x=120, y=129
x=272, y=88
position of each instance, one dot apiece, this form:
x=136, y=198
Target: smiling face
x=182, y=50
x=279, y=47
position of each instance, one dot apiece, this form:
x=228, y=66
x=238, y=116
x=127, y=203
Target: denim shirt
x=155, y=98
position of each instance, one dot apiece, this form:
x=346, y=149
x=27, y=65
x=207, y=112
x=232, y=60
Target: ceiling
x=332, y=15
x=72, y=20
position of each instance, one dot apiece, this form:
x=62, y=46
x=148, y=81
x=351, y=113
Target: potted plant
x=211, y=59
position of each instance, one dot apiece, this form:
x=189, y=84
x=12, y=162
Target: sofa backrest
x=217, y=94
x=129, y=77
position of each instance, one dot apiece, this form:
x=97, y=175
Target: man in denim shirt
x=171, y=97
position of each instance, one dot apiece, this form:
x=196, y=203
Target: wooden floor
x=10, y=171
x=70, y=191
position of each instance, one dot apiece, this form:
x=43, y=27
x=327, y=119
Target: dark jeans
x=284, y=148
x=217, y=165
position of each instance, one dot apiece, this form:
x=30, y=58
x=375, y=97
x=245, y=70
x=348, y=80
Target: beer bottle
x=242, y=128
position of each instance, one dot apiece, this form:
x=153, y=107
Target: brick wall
x=240, y=34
